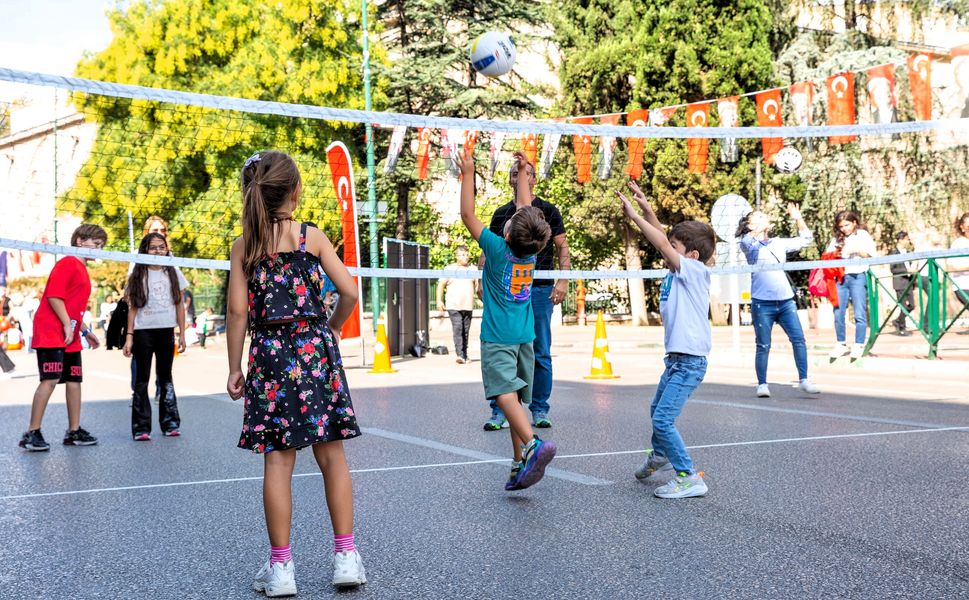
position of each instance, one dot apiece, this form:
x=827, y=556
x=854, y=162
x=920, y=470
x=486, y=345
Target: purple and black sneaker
x=535, y=458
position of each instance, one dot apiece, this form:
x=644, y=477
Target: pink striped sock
x=343, y=543
x=279, y=554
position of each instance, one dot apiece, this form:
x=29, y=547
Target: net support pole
x=131, y=232
x=734, y=300
x=371, y=179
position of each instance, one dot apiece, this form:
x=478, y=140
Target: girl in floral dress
x=295, y=392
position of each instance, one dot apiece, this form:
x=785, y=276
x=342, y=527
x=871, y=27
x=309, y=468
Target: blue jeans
x=542, y=384
x=783, y=312
x=855, y=287
x=683, y=374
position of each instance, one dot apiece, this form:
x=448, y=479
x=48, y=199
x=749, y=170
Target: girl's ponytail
x=269, y=180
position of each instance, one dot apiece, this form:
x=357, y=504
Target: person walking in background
x=958, y=268
x=57, y=333
x=772, y=293
x=155, y=309
x=851, y=240
x=901, y=277
x=458, y=301
x=296, y=393
x=546, y=293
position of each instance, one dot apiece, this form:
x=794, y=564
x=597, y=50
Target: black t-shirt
x=546, y=258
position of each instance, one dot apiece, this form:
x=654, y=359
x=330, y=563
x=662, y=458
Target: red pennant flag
x=920, y=82
x=341, y=171
x=423, y=151
x=582, y=146
x=530, y=147
x=802, y=99
x=697, y=115
x=607, y=147
x=841, y=104
x=769, y=115
x=659, y=116
x=470, y=137
x=634, y=162
x=728, y=111
x=881, y=92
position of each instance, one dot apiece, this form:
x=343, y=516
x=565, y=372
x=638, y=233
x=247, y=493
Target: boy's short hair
x=695, y=235
x=460, y=248
x=87, y=231
x=528, y=232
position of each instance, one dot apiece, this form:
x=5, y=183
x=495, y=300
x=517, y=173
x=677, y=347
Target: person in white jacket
x=853, y=241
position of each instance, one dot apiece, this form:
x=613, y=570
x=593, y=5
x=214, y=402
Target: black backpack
x=117, y=326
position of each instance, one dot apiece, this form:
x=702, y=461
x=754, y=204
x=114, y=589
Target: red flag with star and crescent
x=341, y=171
x=423, y=151
x=841, y=104
x=920, y=82
x=697, y=115
x=634, y=161
x=582, y=146
x=769, y=115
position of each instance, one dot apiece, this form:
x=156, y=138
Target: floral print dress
x=296, y=392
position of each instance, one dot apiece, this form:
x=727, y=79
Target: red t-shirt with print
x=70, y=282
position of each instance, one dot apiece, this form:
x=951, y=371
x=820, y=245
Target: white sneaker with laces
x=683, y=486
x=763, y=391
x=839, y=350
x=808, y=387
x=348, y=569
x=276, y=580
x=856, y=351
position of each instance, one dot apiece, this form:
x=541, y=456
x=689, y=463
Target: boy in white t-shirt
x=684, y=305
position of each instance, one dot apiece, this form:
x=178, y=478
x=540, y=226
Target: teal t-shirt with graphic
x=507, y=284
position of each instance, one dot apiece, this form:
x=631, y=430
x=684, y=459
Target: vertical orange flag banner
x=470, y=137
x=881, y=93
x=634, y=161
x=607, y=147
x=769, y=115
x=423, y=151
x=841, y=104
x=341, y=171
x=920, y=82
x=697, y=115
x=582, y=146
x=530, y=147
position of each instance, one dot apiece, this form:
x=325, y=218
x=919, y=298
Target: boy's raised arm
x=471, y=220
x=653, y=235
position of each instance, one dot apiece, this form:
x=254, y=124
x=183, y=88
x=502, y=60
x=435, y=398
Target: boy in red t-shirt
x=57, y=331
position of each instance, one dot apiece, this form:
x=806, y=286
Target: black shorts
x=55, y=363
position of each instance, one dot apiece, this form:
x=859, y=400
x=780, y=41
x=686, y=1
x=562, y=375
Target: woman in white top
x=459, y=301
x=155, y=308
x=771, y=293
x=958, y=268
x=852, y=241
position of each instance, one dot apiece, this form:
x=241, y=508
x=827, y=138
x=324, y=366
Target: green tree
x=183, y=162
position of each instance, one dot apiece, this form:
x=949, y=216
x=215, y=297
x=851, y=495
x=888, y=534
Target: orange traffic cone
x=601, y=367
x=381, y=351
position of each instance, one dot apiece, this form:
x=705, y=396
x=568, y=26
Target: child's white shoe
x=276, y=580
x=348, y=569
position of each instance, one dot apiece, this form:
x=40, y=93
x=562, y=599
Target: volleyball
x=787, y=160
x=493, y=53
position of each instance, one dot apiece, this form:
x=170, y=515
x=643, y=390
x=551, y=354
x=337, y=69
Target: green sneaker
x=540, y=420
x=497, y=422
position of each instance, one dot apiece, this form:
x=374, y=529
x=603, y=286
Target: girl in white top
x=852, y=241
x=958, y=268
x=155, y=309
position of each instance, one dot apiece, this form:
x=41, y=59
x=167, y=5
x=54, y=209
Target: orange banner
x=920, y=82
x=530, y=147
x=423, y=151
x=841, y=104
x=697, y=115
x=634, y=162
x=341, y=171
x=802, y=99
x=769, y=115
x=582, y=146
x=881, y=92
x=470, y=137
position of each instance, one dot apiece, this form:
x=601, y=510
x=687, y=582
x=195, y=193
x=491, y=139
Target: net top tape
x=223, y=265
x=117, y=90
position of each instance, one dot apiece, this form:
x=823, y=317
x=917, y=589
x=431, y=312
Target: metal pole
x=371, y=184
x=131, y=233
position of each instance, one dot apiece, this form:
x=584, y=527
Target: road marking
x=817, y=413
x=478, y=462
x=856, y=390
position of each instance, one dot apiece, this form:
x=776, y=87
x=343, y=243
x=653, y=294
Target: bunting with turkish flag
x=494, y=153
x=920, y=83
x=802, y=99
x=423, y=151
x=582, y=147
x=393, y=150
x=549, y=146
x=728, y=110
x=841, y=104
x=530, y=147
x=634, y=161
x=881, y=92
x=769, y=115
x=659, y=116
x=607, y=146
x=957, y=104
x=341, y=171
x=697, y=115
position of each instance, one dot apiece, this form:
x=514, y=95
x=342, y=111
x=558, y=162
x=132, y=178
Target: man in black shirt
x=545, y=294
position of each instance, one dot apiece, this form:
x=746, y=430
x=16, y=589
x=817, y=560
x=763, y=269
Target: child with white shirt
x=685, y=306
x=852, y=241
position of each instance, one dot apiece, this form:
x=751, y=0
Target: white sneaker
x=683, y=486
x=808, y=387
x=348, y=569
x=276, y=580
x=839, y=350
x=856, y=351
x=763, y=391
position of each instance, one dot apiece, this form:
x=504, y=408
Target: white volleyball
x=493, y=53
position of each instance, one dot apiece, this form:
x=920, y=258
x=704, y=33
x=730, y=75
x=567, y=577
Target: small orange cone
x=601, y=366
x=381, y=351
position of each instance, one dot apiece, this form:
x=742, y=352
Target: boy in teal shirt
x=508, y=326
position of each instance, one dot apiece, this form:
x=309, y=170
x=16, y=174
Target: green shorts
x=508, y=368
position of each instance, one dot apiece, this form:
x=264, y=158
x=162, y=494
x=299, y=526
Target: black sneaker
x=34, y=441
x=79, y=437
